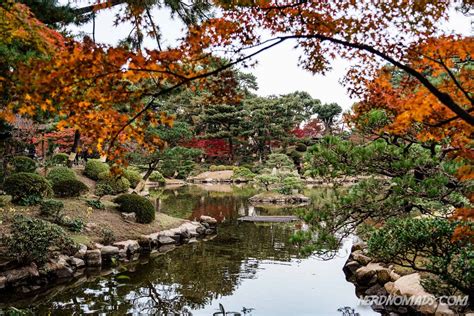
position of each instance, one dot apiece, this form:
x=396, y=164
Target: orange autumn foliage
x=19, y=26
x=107, y=94
x=413, y=110
x=416, y=115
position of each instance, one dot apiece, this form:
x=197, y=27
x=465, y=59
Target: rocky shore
x=32, y=278
x=378, y=279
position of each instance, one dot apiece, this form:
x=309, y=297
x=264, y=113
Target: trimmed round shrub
x=51, y=208
x=4, y=200
x=94, y=167
x=27, y=188
x=301, y=147
x=249, y=166
x=60, y=159
x=279, y=161
x=69, y=188
x=291, y=184
x=58, y=174
x=156, y=176
x=103, y=188
x=242, y=173
x=141, y=206
x=118, y=184
x=24, y=164
x=220, y=168
x=132, y=176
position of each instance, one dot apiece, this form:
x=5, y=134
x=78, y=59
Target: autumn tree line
x=411, y=133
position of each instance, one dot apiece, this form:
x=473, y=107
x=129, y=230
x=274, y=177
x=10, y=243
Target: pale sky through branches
x=277, y=69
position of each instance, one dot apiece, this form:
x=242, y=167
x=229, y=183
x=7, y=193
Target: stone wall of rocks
x=372, y=278
x=31, y=278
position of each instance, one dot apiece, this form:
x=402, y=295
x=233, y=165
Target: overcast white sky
x=277, y=71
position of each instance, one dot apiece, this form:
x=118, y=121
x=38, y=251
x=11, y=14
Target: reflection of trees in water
x=220, y=207
x=157, y=300
x=191, y=202
x=191, y=276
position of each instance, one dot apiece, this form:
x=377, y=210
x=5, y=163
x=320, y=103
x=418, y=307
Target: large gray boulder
x=165, y=240
x=20, y=274
x=372, y=273
x=207, y=219
x=360, y=257
x=108, y=251
x=93, y=258
x=129, y=246
x=410, y=286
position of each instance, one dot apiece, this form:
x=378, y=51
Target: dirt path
x=81, y=177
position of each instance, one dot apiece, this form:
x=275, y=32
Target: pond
x=247, y=268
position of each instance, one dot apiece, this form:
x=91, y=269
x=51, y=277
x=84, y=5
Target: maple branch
x=287, y=6
x=441, y=96
x=450, y=74
x=167, y=72
x=98, y=6
x=441, y=123
x=154, y=28
x=456, y=82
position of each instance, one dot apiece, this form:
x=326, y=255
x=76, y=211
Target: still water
x=247, y=268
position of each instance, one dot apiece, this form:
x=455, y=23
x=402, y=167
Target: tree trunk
x=141, y=185
x=75, y=145
x=231, y=150
x=151, y=167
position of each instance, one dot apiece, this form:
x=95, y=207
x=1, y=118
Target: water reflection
x=249, y=268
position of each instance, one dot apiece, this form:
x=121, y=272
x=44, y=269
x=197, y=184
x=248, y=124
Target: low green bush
x=249, y=166
x=243, y=173
x=301, y=147
x=58, y=174
x=94, y=167
x=156, y=176
x=132, y=176
x=69, y=188
x=30, y=239
x=74, y=225
x=23, y=164
x=220, y=168
x=279, y=161
x=290, y=184
x=266, y=180
x=4, y=200
x=60, y=159
x=296, y=156
x=103, y=188
x=51, y=208
x=107, y=236
x=118, y=184
x=141, y=206
x=96, y=204
x=427, y=244
x=27, y=188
